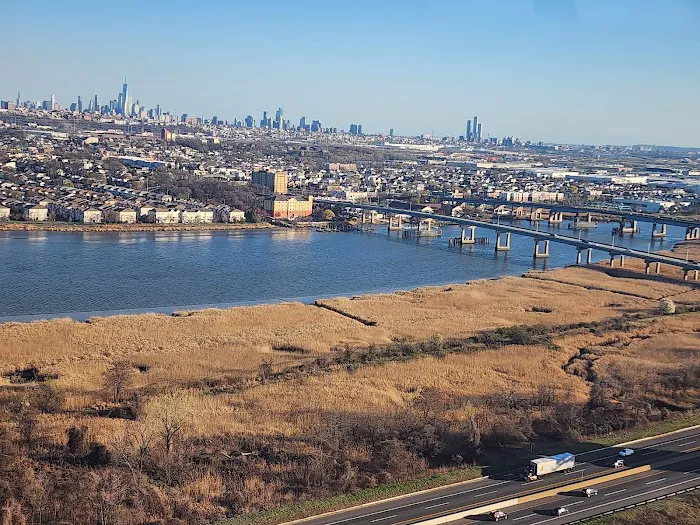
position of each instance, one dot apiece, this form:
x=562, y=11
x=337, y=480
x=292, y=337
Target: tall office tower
x=316, y=125
x=19, y=98
x=353, y=129
x=302, y=123
x=80, y=104
x=125, y=97
x=474, y=128
x=391, y=132
x=158, y=109
x=278, y=118
x=478, y=133
x=359, y=129
x=96, y=105
x=263, y=122
x=469, y=130
x=53, y=103
x=120, y=104
x=90, y=105
x=249, y=122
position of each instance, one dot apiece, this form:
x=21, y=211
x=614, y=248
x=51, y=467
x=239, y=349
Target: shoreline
x=137, y=227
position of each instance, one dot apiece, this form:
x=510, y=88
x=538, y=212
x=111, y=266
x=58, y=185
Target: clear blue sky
x=615, y=71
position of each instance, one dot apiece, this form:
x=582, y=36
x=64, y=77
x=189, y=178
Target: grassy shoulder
x=679, y=510
x=314, y=507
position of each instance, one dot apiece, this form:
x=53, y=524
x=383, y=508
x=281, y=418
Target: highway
x=516, y=230
x=682, y=449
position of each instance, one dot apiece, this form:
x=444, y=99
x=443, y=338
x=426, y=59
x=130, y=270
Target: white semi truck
x=547, y=465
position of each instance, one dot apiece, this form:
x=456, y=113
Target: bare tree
x=118, y=379
x=169, y=414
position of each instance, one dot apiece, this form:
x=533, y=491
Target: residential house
x=196, y=216
x=4, y=213
x=127, y=216
x=92, y=216
x=35, y=213
x=163, y=216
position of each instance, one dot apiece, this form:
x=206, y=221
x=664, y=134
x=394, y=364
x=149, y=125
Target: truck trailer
x=539, y=467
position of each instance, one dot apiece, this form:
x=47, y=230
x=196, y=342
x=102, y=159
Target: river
x=43, y=274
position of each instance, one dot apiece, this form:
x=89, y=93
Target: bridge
x=692, y=226
x=691, y=269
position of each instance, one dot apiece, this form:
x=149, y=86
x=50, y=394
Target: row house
x=37, y=213
x=196, y=216
x=163, y=216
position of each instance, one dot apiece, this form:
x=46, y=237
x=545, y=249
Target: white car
x=588, y=492
x=626, y=452
x=560, y=511
x=498, y=515
x=618, y=463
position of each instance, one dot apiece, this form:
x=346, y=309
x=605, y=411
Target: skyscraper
x=474, y=128
x=53, y=102
x=469, y=131
x=125, y=98
x=19, y=99
x=278, y=118
x=95, y=105
x=478, y=133
x=80, y=104
x=359, y=129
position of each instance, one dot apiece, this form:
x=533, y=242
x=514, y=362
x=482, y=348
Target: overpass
x=692, y=226
x=691, y=269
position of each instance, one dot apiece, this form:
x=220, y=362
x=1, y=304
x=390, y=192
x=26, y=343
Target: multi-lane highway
x=675, y=460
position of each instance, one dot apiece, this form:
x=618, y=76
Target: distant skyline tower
x=80, y=104
x=19, y=99
x=95, y=105
x=478, y=133
x=469, y=131
x=125, y=97
x=474, y=127
x=53, y=102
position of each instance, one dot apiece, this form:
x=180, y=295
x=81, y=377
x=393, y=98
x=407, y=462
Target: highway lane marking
x=655, y=481
x=642, y=448
x=436, y=505
x=392, y=509
x=484, y=494
x=530, y=482
x=523, y=517
x=684, y=444
x=574, y=472
x=620, y=500
x=384, y=518
x=613, y=493
x=651, y=452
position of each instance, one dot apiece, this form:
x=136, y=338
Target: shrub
x=667, y=306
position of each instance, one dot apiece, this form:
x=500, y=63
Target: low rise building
x=163, y=216
x=127, y=216
x=285, y=207
x=92, y=216
x=35, y=213
x=196, y=216
x=4, y=213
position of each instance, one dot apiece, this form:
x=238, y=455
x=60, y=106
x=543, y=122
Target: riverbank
x=137, y=227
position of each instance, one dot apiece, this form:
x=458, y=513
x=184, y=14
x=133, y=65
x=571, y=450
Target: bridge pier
x=502, y=247
x=589, y=255
x=658, y=234
x=394, y=225
x=472, y=236
x=556, y=217
x=536, y=215
x=647, y=267
x=687, y=273
x=692, y=233
x=632, y=228
x=612, y=260
x=539, y=254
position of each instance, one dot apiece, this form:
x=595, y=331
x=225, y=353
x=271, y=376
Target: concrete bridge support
x=472, y=235
x=589, y=255
x=692, y=233
x=690, y=274
x=632, y=228
x=658, y=234
x=612, y=260
x=502, y=247
x=647, y=267
x=394, y=222
x=540, y=254
x=556, y=217
x=536, y=214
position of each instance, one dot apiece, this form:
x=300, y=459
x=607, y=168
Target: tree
x=118, y=379
x=169, y=414
x=328, y=215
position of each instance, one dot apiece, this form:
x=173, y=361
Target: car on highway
x=625, y=452
x=588, y=492
x=618, y=463
x=560, y=511
x=498, y=515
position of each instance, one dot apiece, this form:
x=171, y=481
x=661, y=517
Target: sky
x=565, y=71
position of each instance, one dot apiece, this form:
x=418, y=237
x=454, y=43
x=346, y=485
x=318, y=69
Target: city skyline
x=566, y=72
